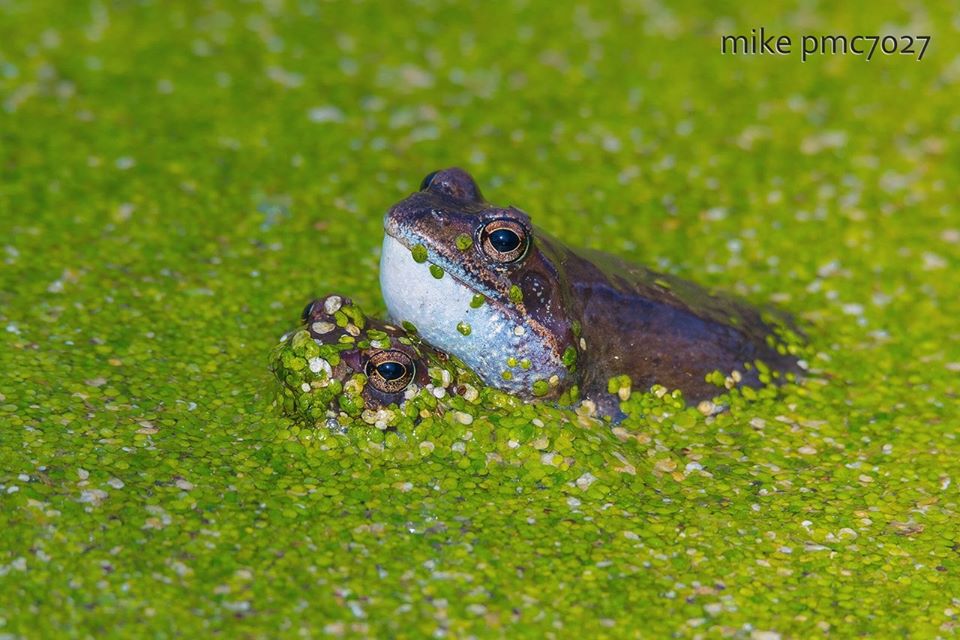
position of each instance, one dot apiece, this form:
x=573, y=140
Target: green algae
x=179, y=179
x=419, y=253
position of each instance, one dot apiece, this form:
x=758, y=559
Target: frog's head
x=479, y=281
x=341, y=366
x=391, y=363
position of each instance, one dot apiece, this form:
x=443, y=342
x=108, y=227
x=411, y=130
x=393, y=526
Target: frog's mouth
x=493, y=338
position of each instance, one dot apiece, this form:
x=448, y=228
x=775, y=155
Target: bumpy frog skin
x=343, y=368
x=537, y=318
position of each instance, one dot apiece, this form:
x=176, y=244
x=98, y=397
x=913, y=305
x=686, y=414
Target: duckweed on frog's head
x=342, y=367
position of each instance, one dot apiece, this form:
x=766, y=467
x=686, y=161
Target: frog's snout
x=454, y=183
x=308, y=310
x=323, y=307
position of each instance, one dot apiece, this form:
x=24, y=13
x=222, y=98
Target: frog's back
x=709, y=304
x=659, y=328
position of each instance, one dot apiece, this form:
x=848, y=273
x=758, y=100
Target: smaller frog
x=343, y=368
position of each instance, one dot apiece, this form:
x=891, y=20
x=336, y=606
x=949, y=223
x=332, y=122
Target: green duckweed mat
x=178, y=179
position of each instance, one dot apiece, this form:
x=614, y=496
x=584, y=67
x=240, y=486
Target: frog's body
x=329, y=370
x=553, y=318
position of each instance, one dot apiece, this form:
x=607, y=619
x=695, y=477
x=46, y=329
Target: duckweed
x=179, y=179
x=419, y=253
x=464, y=242
x=540, y=387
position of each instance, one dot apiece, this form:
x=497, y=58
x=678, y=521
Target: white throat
x=440, y=309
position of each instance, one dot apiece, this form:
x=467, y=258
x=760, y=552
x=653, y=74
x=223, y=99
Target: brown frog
x=535, y=317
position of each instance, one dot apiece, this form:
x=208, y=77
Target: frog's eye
x=425, y=183
x=504, y=240
x=389, y=371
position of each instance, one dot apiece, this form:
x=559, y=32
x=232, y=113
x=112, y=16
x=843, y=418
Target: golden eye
x=389, y=371
x=504, y=240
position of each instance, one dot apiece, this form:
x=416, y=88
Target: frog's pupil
x=504, y=240
x=391, y=370
x=426, y=181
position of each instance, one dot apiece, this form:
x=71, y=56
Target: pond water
x=178, y=181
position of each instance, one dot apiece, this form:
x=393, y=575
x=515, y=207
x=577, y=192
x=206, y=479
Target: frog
x=341, y=368
x=538, y=318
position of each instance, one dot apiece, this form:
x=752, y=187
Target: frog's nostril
x=425, y=183
x=453, y=183
x=307, y=311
